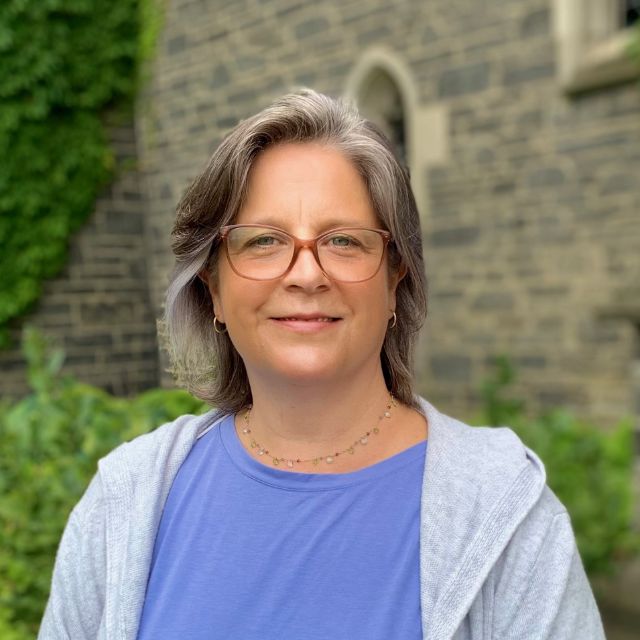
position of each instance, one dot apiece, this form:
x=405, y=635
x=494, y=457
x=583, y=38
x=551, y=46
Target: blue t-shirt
x=251, y=552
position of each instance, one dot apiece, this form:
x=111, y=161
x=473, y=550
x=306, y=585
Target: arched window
x=630, y=12
x=382, y=85
x=379, y=99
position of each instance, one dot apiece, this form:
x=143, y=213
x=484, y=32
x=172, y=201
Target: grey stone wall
x=533, y=238
x=98, y=309
x=531, y=233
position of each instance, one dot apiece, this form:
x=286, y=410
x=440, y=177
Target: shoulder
x=492, y=455
x=546, y=525
x=147, y=462
x=540, y=581
x=163, y=448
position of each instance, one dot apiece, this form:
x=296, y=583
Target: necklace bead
x=330, y=459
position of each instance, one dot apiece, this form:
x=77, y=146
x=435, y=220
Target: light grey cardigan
x=498, y=556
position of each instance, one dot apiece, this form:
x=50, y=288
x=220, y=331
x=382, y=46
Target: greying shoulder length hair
x=206, y=362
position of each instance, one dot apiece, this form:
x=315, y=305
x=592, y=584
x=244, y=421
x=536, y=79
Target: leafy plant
x=590, y=470
x=51, y=441
x=65, y=63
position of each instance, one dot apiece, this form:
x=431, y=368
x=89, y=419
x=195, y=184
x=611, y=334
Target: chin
x=303, y=366
x=308, y=372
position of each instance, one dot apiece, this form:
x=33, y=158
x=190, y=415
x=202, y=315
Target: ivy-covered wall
x=73, y=258
x=64, y=63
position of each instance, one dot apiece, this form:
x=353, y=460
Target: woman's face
x=280, y=327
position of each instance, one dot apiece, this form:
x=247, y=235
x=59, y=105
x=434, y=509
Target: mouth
x=307, y=319
x=306, y=324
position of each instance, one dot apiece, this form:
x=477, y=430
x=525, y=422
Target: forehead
x=307, y=187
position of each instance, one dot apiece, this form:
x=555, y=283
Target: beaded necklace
x=276, y=460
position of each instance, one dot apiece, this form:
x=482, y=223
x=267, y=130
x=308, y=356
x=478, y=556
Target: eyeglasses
x=262, y=252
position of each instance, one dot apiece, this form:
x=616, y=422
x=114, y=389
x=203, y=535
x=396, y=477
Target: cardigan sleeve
x=76, y=601
x=543, y=592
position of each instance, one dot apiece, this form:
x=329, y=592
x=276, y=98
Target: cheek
x=241, y=301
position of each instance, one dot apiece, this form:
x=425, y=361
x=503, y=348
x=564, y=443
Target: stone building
x=520, y=122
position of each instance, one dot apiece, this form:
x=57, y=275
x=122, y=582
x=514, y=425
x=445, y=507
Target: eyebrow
x=332, y=223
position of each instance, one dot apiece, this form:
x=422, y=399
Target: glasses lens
x=258, y=252
x=351, y=255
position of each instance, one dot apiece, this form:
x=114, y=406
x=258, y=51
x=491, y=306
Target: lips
x=315, y=319
x=307, y=317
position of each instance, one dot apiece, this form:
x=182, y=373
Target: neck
x=306, y=421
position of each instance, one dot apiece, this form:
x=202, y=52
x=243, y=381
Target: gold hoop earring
x=395, y=321
x=215, y=326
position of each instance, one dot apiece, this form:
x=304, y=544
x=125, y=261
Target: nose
x=305, y=272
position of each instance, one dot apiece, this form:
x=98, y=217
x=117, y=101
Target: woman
x=309, y=504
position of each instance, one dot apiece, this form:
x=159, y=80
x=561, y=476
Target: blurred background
x=520, y=123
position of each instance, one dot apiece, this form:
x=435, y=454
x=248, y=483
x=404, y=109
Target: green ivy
x=65, y=63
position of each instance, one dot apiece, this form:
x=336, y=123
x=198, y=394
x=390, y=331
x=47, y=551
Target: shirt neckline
x=299, y=481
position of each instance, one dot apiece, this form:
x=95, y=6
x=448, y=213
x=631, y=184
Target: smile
x=296, y=319
x=306, y=324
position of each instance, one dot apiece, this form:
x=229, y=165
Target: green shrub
x=590, y=470
x=51, y=441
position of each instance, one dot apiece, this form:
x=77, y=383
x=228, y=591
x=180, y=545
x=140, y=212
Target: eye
x=342, y=241
x=264, y=241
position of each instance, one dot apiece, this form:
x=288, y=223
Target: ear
x=394, y=280
x=203, y=274
x=207, y=280
x=396, y=276
x=402, y=272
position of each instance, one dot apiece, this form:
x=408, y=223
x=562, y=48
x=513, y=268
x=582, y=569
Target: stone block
x=590, y=143
x=460, y=236
x=128, y=222
x=74, y=359
x=464, y=80
x=374, y=35
x=72, y=341
x=530, y=362
x=177, y=44
x=244, y=96
x=286, y=12
x=545, y=177
x=311, y=27
x=226, y=123
x=249, y=63
x=451, y=367
x=536, y=23
x=517, y=75
x=620, y=182
x=555, y=397
x=493, y=301
x=549, y=292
